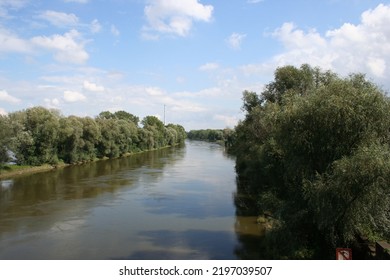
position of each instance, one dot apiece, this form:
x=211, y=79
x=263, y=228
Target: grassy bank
x=9, y=171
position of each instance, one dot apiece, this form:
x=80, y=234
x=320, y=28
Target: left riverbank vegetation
x=313, y=149
x=38, y=136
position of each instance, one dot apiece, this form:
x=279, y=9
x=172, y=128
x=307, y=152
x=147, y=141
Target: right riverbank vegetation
x=38, y=136
x=313, y=149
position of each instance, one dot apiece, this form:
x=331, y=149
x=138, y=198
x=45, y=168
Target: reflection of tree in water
x=49, y=190
x=262, y=237
x=184, y=245
x=249, y=232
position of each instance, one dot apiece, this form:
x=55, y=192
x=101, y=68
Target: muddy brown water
x=175, y=203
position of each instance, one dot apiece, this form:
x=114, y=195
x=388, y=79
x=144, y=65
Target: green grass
x=9, y=170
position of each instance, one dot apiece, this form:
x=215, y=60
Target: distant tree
x=70, y=142
x=152, y=121
x=180, y=131
x=106, y=115
x=35, y=135
x=91, y=137
x=40, y=136
x=158, y=130
x=123, y=115
x=110, y=135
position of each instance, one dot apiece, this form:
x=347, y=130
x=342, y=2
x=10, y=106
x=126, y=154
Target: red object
x=343, y=254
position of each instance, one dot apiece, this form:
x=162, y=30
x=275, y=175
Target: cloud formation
x=95, y=26
x=73, y=96
x=114, y=30
x=10, y=4
x=235, y=40
x=6, y=97
x=10, y=42
x=364, y=47
x=92, y=87
x=67, y=48
x=59, y=19
x=174, y=17
x=210, y=66
x=351, y=48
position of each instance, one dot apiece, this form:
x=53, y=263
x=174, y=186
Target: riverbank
x=10, y=171
x=13, y=170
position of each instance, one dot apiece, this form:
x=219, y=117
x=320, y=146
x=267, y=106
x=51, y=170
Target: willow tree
x=5, y=134
x=314, y=147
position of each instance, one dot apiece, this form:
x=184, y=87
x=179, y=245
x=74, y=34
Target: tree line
x=313, y=149
x=37, y=136
x=211, y=135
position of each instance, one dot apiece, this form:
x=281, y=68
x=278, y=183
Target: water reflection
x=185, y=245
x=250, y=233
x=179, y=203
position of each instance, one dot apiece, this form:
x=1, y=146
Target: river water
x=175, y=203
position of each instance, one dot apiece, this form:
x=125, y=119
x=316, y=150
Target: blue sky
x=193, y=56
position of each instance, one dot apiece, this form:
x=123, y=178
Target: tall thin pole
x=164, y=114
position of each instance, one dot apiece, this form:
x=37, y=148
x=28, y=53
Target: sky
x=192, y=57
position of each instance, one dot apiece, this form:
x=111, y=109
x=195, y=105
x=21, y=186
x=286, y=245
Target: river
x=174, y=203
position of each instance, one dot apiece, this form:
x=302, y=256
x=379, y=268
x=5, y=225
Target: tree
x=123, y=115
x=5, y=136
x=250, y=101
x=41, y=136
x=70, y=142
x=157, y=129
x=180, y=131
x=110, y=134
x=353, y=196
x=91, y=137
x=303, y=150
x=35, y=135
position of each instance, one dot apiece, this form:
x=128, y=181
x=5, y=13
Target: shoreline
x=26, y=170
x=9, y=174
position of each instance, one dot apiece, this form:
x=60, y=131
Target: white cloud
x=295, y=38
x=174, y=17
x=10, y=4
x=351, y=48
x=52, y=103
x=114, y=31
x=16, y=4
x=204, y=93
x=59, y=19
x=67, y=48
x=92, y=87
x=5, y=96
x=95, y=26
x=235, y=40
x=188, y=107
x=3, y=112
x=229, y=121
x=10, y=42
x=154, y=91
x=73, y=96
x=210, y=66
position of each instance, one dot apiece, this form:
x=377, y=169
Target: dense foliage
x=314, y=149
x=211, y=135
x=38, y=136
